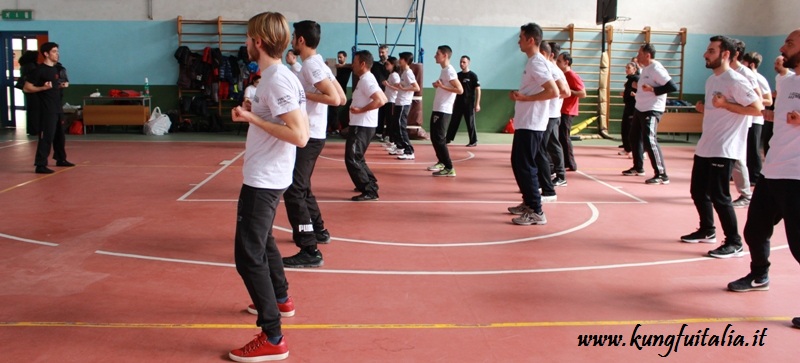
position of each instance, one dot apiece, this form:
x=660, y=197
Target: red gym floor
x=128, y=257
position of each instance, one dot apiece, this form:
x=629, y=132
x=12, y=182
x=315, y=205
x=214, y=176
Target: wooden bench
x=134, y=111
x=681, y=122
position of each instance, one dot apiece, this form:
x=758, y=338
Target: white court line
x=440, y=273
x=12, y=145
x=15, y=238
x=618, y=190
x=514, y=202
x=403, y=162
x=225, y=164
x=595, y=215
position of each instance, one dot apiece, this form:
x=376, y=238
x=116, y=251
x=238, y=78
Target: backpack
x=509, y=129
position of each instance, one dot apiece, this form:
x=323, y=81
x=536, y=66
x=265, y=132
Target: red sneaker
x=286, y=309
x=260, y=350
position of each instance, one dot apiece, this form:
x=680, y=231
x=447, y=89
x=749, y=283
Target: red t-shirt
x=570, y=105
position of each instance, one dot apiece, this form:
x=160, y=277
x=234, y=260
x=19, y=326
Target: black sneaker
x=64, y=163
x=364, y=197
x=44, y=170
x=727, y=251
x=323, y=237
x=303, y=259
x=559, y=182
x=796, y=322
x=633, y=172
x=750, y=283
x=658, y=179
x=700, y=236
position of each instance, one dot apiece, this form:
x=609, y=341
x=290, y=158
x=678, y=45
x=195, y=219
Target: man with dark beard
x=777, y=195
x=729, y=99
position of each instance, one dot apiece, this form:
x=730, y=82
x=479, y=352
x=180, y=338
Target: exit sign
x=17, y=14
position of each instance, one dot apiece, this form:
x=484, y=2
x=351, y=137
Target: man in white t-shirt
x=367, y=99
x=752, y=60
x=651, y=101
x=531, y=114
x=729, y=99
x=405, y=92
x=552, y=138
x=322, y=91
x=741, y=172
x=250, y=91
x=543, y=160
x=292, y=63
x=781, y=73
x=447, y=87
x=777, y=195
x=278, y=125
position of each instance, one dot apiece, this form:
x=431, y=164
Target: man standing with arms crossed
x=729, y=100
x=322, y=91
x=447, y=87
x=467, y=104
x=532, y=99
x=367, y=99
x=777, y=195
x=651, y=101
x=278, y=125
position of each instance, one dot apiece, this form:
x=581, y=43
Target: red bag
x=509, y=127
x=76, y=128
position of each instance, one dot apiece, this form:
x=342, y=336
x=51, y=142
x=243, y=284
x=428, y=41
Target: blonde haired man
x=278, y=125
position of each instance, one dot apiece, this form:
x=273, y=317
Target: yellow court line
x=51, y=324
x=35, y=180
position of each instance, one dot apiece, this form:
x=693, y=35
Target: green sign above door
x=17, y=14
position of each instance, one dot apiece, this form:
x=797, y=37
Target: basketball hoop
x=622, y=20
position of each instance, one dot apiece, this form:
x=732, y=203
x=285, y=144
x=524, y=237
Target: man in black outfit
x=46, y=83
x=381, y=74
x=467, y=104
x=343, y=72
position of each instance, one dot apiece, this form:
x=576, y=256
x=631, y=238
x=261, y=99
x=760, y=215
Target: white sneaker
x=436, y=167
x=406, y=157
x=398, y=152
x=518, y=209
x=549, y=198
x=623, y=152
x=390, y=148
x=530, y=217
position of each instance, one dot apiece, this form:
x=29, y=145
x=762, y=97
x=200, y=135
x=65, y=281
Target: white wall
x=733, y=17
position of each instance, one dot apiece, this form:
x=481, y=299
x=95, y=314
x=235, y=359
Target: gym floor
x=128, y=257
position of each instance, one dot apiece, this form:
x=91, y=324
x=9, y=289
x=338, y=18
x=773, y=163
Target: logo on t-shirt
x=794, y=95
x=284, y=101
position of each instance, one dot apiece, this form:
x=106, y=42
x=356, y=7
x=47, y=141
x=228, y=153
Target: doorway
x=13, y=109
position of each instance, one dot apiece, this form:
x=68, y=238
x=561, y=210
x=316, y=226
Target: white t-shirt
x=315, y=70
x=296, y=68
x=779, y=78
x=555, y=103
x=765, y=90
x=783, y=158
x=250, y=92
x=391, y=93
x=751, y=77
x=404, y=97
x=654, y=75
x=724, y=132
x=533, y=115
x=443, y=100
x=362, y=96
x=268, y=161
